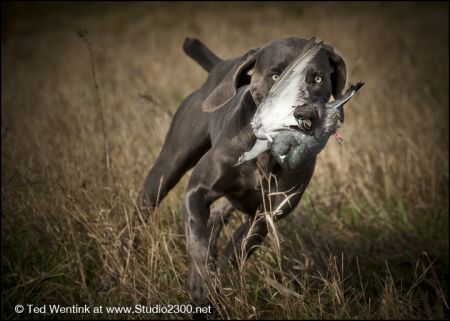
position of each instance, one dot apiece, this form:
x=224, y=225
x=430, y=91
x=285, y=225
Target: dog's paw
x=198, y=288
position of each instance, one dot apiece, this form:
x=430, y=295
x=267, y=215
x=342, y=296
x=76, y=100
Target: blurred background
x=370, y=237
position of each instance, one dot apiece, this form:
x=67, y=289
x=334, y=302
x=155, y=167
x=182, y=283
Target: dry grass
x=370, y=238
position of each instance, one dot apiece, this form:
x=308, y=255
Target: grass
x=370, y=237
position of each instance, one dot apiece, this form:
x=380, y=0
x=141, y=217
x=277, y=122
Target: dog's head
x=261, y=67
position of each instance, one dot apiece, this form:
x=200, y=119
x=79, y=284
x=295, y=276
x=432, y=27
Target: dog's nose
x=306, y=116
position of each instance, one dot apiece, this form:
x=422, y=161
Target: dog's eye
x=318, y=79
x=275, y=77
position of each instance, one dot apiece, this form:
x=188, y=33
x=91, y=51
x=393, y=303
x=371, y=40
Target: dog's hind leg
x=186, y=142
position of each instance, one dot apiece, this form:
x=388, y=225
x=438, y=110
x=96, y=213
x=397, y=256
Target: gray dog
x=211, y=130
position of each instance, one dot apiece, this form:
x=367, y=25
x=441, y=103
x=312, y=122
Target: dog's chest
x=248, y=179
x=251, y=181
x=254, y=174
x=246, y=193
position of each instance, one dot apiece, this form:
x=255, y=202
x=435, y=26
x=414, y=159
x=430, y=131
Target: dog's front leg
x=245, y=240
x=219, y=217
x=196, y=211
x=291, y=186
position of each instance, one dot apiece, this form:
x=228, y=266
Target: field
x=370, y=237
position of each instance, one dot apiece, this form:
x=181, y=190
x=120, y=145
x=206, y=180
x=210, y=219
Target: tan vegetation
x=370, y=237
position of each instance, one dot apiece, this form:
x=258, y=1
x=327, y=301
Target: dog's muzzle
x=306, y=116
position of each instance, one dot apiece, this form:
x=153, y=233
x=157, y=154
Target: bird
x=274, y=124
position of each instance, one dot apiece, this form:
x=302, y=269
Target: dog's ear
x=238, y=76
x=338, y=75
